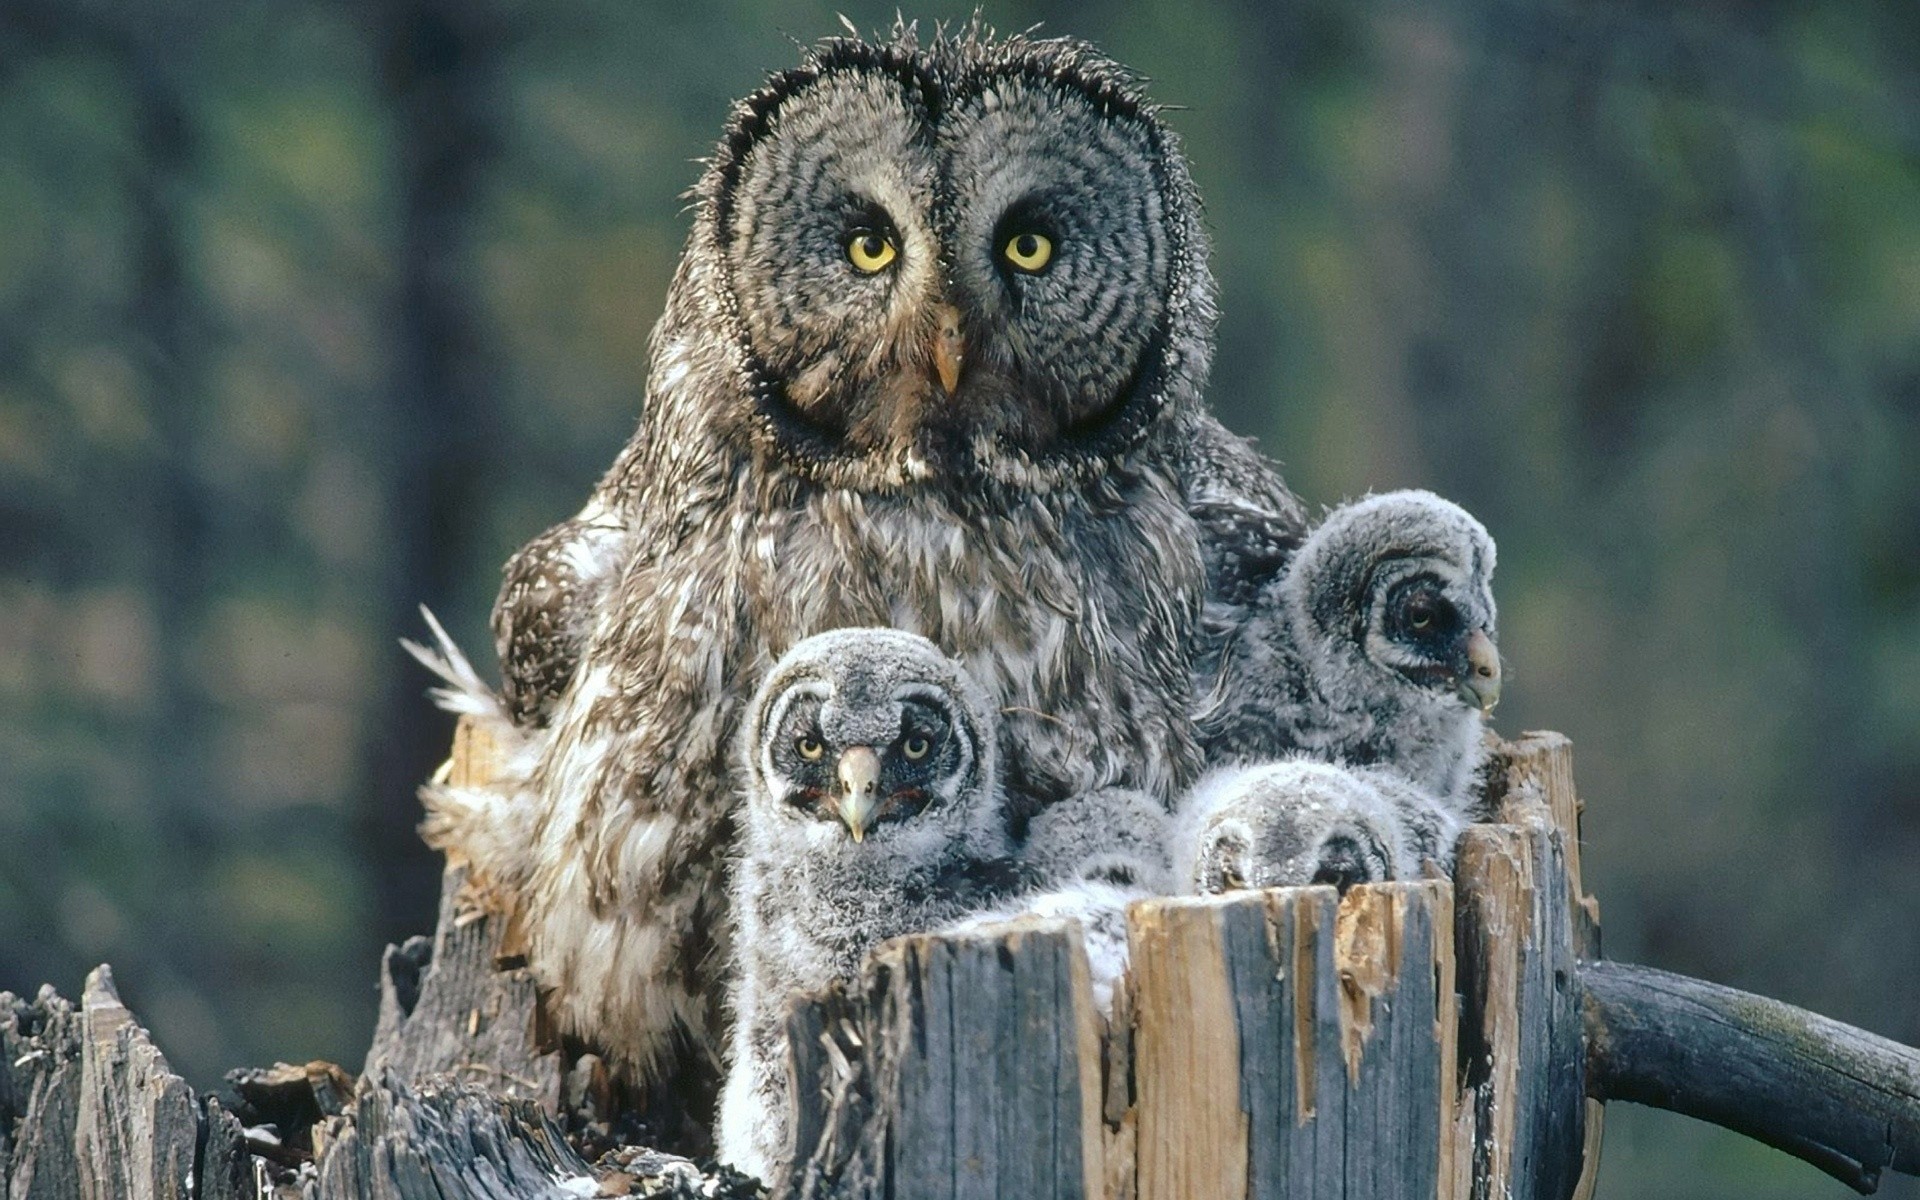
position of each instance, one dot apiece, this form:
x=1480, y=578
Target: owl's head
x=1399, y=588
x=1289, y=823
x=872, y=737
x=972, y=257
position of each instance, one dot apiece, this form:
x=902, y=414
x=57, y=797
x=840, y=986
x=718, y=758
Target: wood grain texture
x=1319, y=1064
x=446, y=1140
x=1280, y=949
x=445, y=1007
x=956, y=1067
x=1398, y=1017
x=137, y=1128
x=1539, y=765
x=40, y=1048
x=1191, y=1130
x=1845, y=1100
x=1521, y=1053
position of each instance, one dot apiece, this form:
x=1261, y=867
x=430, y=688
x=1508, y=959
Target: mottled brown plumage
x=996, y=458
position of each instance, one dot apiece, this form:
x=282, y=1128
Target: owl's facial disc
x=931, y=290
x=1422, y=625
x=861, y=764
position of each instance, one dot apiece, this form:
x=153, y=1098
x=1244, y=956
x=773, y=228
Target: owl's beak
x=859, y=788
x=949, y=347
x=1480, y=683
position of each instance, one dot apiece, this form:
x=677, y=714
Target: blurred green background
x=312, y=311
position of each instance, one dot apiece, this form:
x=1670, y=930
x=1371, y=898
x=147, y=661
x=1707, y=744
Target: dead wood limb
x=1843, y=1099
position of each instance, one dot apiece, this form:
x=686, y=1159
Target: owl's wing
x=546, y=606
x=1233, y=483
x=1249, y=525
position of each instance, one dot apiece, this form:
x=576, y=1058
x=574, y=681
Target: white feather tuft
x=464, y=691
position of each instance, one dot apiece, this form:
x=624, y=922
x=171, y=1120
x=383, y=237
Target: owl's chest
x=1020, y=585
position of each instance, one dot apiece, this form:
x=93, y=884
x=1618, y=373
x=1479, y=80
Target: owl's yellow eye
x=870, y=252
x=809, y=748
x=916, y=747
x=1029, y=252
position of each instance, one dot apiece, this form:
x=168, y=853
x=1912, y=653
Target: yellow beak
x=859, y=788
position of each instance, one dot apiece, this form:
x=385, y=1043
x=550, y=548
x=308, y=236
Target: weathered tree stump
x=459, y=1099
x=1288, y=1040
x=1525, y=1128
x=1447, y=1039
x=93, y=1111
x=1439, y=1038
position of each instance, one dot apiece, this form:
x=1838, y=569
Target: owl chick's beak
x=949, y=347
x=1480, y=684
x=859, y=788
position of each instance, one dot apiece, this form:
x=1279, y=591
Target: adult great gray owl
x=932, y=359
x=868, y=763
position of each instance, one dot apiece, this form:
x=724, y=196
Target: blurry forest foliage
x=312, y=311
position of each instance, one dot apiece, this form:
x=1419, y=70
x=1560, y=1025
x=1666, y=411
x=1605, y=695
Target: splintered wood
x=458, y=1003
x=1525, y=1127
x=1278, y=1045
x=1292, y=1044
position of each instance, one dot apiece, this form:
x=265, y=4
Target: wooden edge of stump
x=884, y=1068
x=94, y=1110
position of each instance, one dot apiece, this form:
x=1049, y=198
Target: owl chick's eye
x=1420, y=616
x=870, y=252
x=810, y=748
x=1029, y=252
x=915, y=747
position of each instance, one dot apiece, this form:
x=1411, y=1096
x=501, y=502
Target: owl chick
x=871, y=811
x=1112, y=835
x=1374, y=647
x=1297, y=821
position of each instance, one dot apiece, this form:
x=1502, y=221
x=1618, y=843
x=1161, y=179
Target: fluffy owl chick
x=1375, y=646
x=1296, y=822
x=1111, y=835
x=871, y=811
